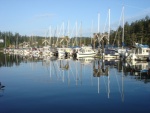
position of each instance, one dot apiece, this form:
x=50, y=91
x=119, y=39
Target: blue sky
x=34, y=17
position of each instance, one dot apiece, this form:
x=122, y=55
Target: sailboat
x=121, y=50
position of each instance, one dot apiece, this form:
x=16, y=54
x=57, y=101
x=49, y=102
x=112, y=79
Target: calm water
x=71, y=86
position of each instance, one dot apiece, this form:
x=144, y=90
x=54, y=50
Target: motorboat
x=86, y=51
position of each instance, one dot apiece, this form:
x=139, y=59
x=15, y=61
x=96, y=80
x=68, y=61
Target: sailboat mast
x=63, y=29
x=76, y=33
x=98, y=29
x=81, y=34
x=50, y=35
x=17, y=42
x=68, y=35
x=91, y=31
x=108, y=25
x=5, y=40
x=123, y=27
x=63, y=33
x=45, y=38
x=57, y=35
x=98, y=23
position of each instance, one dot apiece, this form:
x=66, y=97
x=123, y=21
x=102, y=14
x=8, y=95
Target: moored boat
x=86, y=51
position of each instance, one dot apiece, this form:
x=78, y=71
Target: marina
x=62, y=56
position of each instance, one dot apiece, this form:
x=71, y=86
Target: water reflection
x=139, y=70
x=11, y=60
x=75, y=69
x=90, y=82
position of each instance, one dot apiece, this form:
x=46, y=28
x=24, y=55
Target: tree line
x=13, y=40
x=137, y=31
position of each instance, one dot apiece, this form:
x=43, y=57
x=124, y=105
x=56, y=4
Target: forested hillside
x=138, y=31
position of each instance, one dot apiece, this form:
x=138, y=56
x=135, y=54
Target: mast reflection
x=76, y=71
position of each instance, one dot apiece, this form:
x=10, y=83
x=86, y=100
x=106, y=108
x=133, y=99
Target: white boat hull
x=85, y=54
